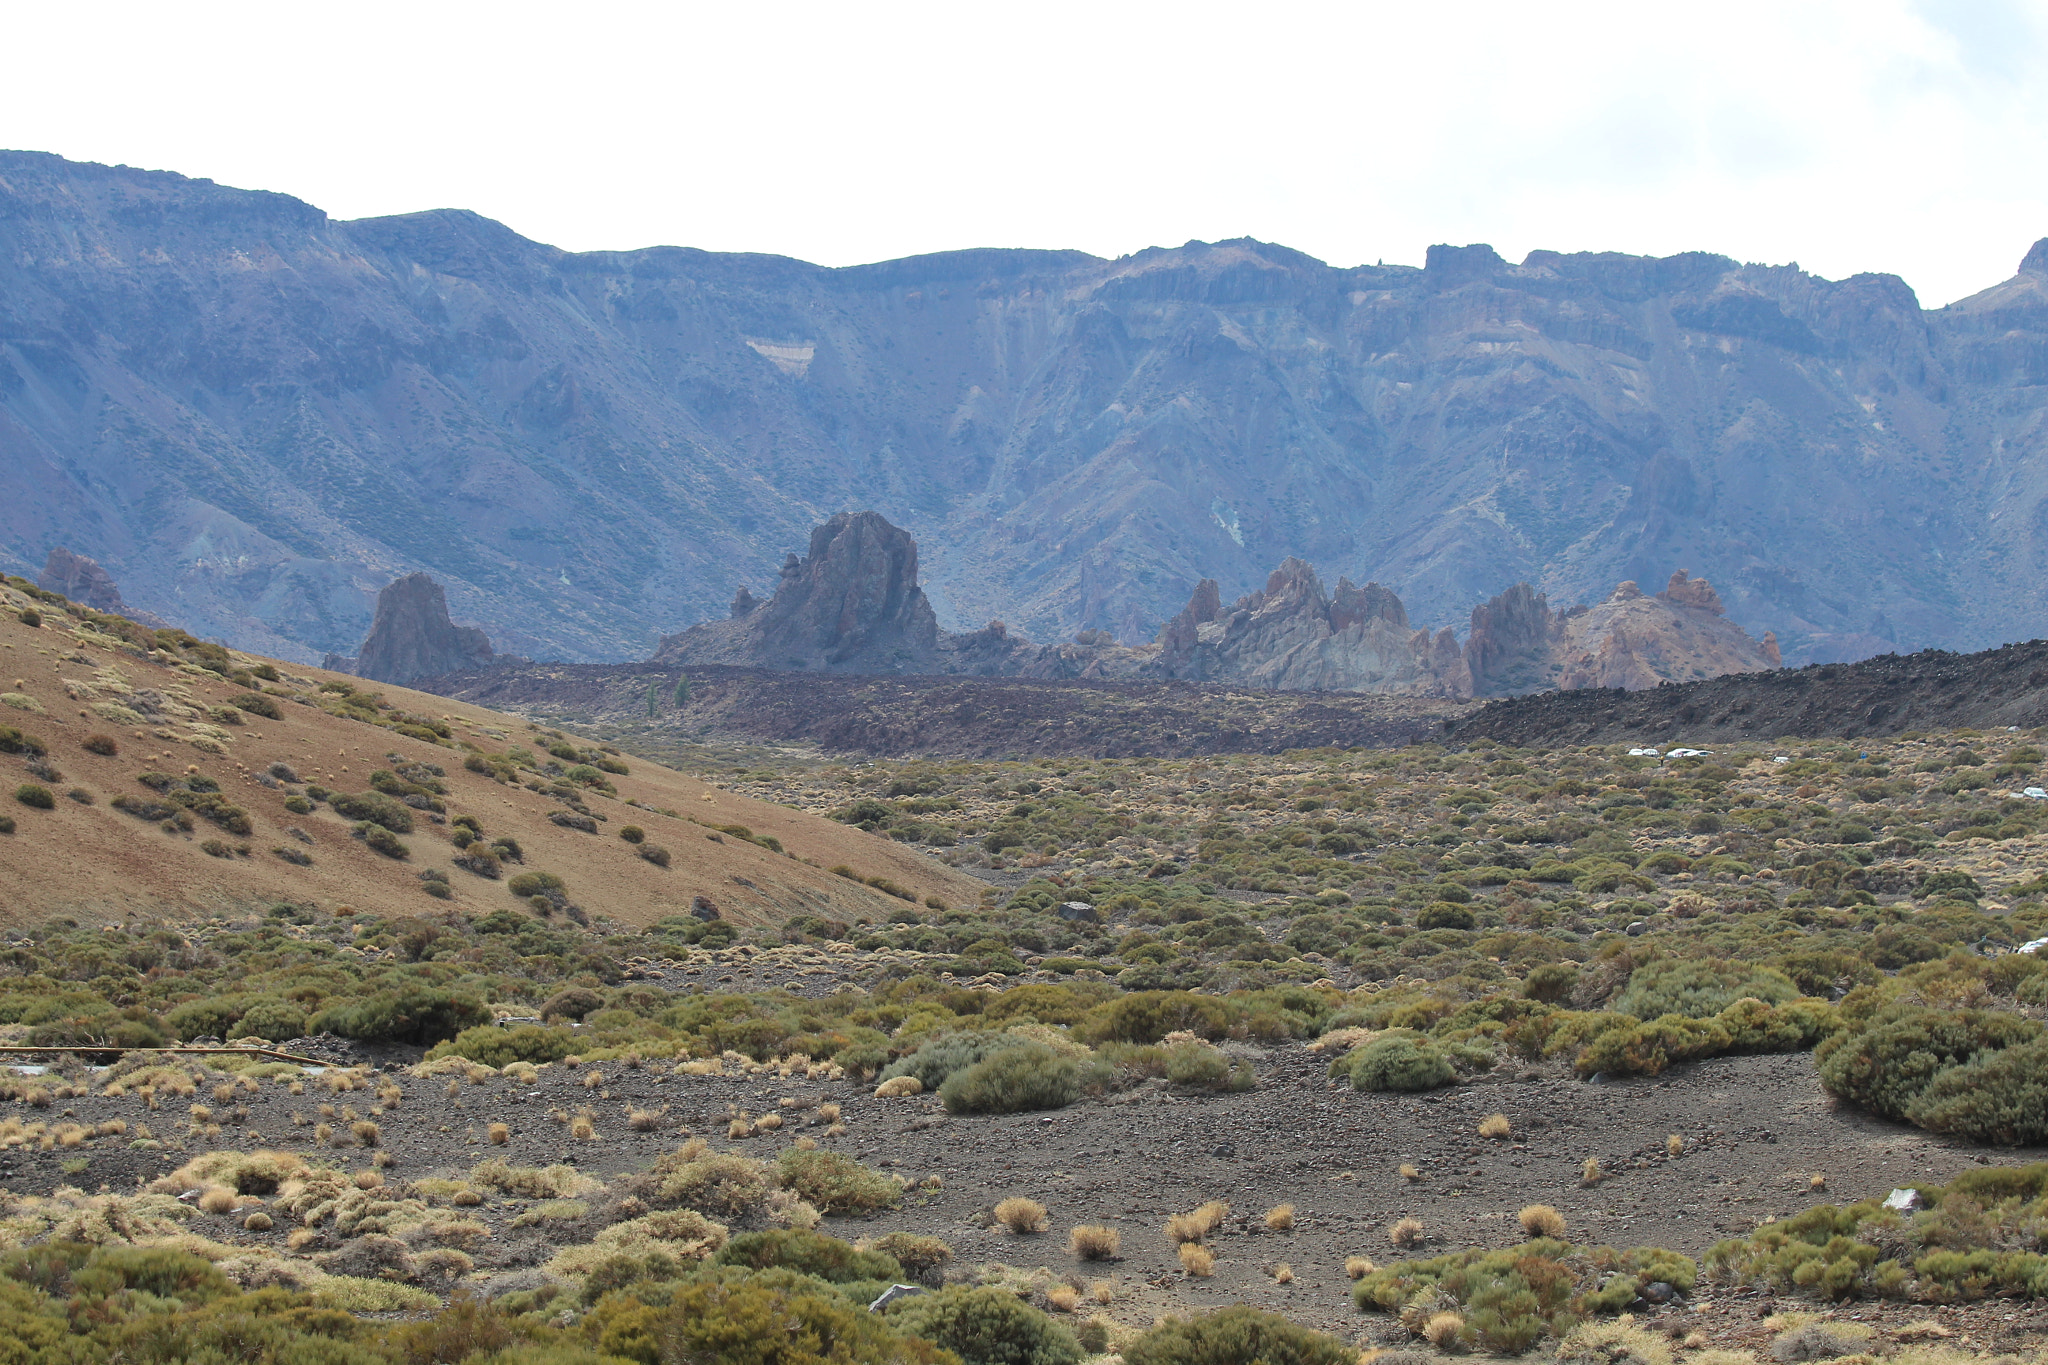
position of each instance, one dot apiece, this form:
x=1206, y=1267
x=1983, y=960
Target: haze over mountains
x=255, y=417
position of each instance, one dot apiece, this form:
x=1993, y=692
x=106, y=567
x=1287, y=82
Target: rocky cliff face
x=245, y=410
x=83, y=580
x=412, y=636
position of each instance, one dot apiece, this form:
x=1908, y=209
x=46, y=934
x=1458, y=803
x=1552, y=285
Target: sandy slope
x=96, y=862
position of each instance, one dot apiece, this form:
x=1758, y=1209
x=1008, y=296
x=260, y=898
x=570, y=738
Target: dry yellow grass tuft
x=366, y=1132
x=768, y=1123
x=1358, y=1267
x=1193, y=1226
x=1093, y=1242
x=1406, y=1233
x=1063, y=1298
x=1409, y=1173
x=828, y=1113
x=1283, y=1273
x=739, y=1128
x=645, y=1120
x=500, y=1134
x=898, y=1087
x=1591, y=1173
x=1541, y=1220
x=1102, y=1291
x=369, y=1180
x=258, y=1222
x=1021, y=1215
x=1817, y=1183
x=1197, y=1260
x=1496, y=1127
x=1280, y=1218
x=1675, y=1145
x=1442, y=1329
x=583, y=1130
x=219, y=1199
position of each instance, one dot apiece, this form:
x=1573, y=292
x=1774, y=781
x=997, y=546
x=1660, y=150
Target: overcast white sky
x=1862, y=135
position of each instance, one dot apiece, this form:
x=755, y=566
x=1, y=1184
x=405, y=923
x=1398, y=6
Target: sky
x=1866, y=135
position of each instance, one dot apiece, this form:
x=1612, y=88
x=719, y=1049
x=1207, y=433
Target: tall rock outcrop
x=412, y=636
x=852, y=604
x=1293, y=636
x=84, y=580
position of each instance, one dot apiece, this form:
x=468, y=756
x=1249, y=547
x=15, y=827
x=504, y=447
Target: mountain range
x=256, y=416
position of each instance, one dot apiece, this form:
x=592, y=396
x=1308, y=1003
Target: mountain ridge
x=255, y=415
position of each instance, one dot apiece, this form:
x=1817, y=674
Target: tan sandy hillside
x=68, y=679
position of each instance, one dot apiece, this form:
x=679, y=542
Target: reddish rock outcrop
x=84, y=580
x=412, y=636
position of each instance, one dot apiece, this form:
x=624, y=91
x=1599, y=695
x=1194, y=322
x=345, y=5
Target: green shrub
x=807, y=1253
x=31, y=794
x=272, y=1018
x=1999, y=1096
x=419, y=1015
x=1236, y=1336
x=382, y=840
x=1400, y=1061
x=1887, y=1063
x=1017, y=1079
x=985, y=1325
x=1698, y=988
x=499, y=1047
x=938, y=1059
x=1444, y=915
x=373, y=807
x=529, y=884
x=1148, y=1016
x=1551, y=982
x=6, y=824
x=774, y=1318
x=835, y=1183
x=212, y=1016
x=256, y=704
x=13, y=741
x=573, y=1003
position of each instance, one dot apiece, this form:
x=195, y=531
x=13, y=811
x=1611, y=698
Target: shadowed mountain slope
x=254, y=416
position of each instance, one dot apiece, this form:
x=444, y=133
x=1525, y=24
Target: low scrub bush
x=986, y=1325
x=373, y=808
x=1965, y=1244
x=833, y=1182
x=1507, y=1300
x=1014, y=1080
x=808, y=1253
x=1237, y=1334
x=500, y=1047
x=1400, y=1062
x=421, y=1016
x=1973, y=1073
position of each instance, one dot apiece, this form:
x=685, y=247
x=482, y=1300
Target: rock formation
x=1292, y=636
x=83, y=580
x=852, y=604
x=412, y=636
